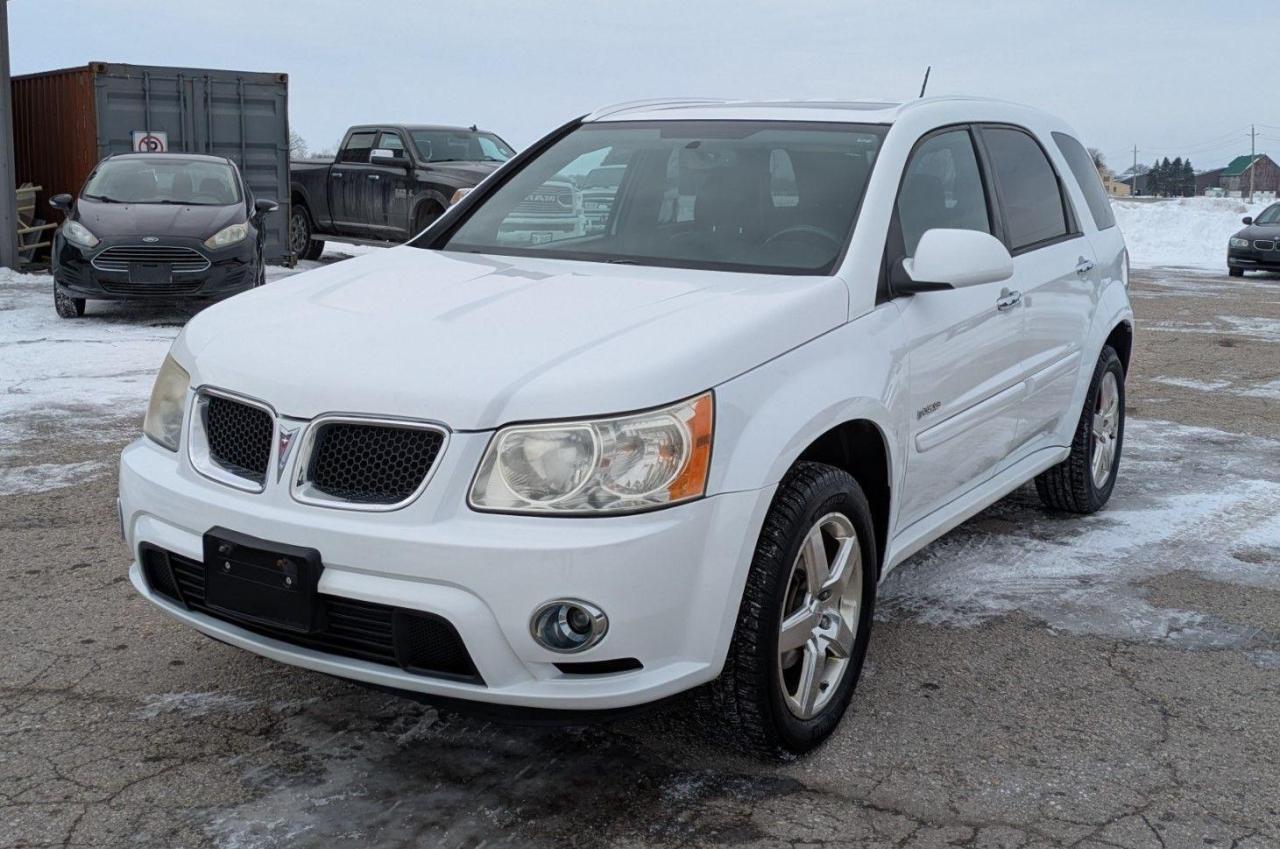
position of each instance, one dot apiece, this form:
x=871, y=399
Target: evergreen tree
x=1176, y=178
x=1188, y=178
x=1166, y=177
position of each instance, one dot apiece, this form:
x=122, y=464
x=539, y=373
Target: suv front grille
x=239, y=437
x=369, y=463
x=410, y=640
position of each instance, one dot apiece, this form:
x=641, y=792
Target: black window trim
x=1068, y=208
x=895, y=247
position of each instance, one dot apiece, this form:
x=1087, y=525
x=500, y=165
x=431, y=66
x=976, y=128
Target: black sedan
x=163, y=225
x=1257, y=246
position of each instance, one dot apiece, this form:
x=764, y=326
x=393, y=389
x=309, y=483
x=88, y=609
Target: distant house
x=1117, y=187
x=1236, y=177
x=1211, y=179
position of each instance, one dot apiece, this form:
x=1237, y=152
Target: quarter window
x=1086, y=174
x=1034, y=208
x=942, y=188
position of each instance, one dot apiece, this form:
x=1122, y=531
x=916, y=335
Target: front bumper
x=231, y=270
x=670, y=581
x=1251, y=258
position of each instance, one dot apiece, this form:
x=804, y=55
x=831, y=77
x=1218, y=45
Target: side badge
x=284, y=443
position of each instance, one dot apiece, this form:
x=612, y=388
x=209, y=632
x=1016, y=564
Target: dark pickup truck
x=388, y=182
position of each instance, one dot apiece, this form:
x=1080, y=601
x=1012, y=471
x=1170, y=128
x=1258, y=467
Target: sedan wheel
x=820, y=616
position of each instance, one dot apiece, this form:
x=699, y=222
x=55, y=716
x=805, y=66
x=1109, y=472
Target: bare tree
x=1099, y=162
x=297, y=145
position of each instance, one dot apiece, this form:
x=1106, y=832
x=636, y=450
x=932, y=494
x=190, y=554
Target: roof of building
x=1241, y=164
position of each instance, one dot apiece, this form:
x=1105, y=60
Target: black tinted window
x=357, y=148
x=1086, y=174
x=942, y=188
x=1033, y=206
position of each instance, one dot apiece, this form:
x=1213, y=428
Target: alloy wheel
x=298, y=232
x=820, y=613
x=1106, y=429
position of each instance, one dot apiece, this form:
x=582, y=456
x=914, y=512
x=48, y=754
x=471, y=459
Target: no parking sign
x=150, y=141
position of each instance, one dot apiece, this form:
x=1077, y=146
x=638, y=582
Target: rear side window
x=357, y=148
x=942, y=188
x=1086, y=174
x=1034, y=208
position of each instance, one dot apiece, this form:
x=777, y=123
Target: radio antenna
x=925, y=84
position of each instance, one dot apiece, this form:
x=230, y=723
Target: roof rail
x=615, y=108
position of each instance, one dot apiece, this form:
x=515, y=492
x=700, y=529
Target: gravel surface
x=1033, y=680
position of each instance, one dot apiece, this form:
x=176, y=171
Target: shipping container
x=65, y=121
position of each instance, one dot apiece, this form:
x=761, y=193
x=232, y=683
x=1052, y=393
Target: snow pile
x=1186, y=232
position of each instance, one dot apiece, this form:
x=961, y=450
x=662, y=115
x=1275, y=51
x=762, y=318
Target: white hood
x=479, y=341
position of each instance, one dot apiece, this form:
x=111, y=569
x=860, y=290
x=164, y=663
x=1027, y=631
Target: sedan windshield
x=164, y=179
x=1269, y=216
x=777, y=197
x=456, y=146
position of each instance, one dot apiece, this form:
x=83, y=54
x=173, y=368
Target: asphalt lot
x=1033, y=681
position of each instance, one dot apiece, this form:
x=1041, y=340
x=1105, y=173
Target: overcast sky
x=1167, y=75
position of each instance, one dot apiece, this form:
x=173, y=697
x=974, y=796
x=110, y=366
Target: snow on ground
x=1187, y=499
x=88, y=378
x=1186, y=232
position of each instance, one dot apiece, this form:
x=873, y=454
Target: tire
x=1075, y=485
x=752, y=702
x=1236, y=272
x=67, y=306
x=300, y=230
x=425, y=217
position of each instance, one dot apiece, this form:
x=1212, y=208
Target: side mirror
x=1248, y=219
x=382, y=156
x=262, y=206
x=62, y=201
x=951, y=259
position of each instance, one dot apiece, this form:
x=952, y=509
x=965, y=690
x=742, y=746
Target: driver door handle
x=1084, y=265
x=1008, y=300
x=375, y=176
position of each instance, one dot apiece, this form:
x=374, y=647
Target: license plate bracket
x=150, y=272
x=268, y=583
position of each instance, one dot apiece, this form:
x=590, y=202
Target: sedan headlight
x=1237, y=242
x=227, y=236
x=78, y=234
x=168, y=402
x=613, y=465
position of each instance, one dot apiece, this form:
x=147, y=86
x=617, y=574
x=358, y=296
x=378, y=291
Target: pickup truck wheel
x=67, y=306
x=1083, y=482
x=805, y=618
x=425, y=217
x=300, y=242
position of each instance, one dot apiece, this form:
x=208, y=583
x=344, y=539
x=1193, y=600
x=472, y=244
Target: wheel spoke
x=797, y=629
x=814, y=553
x=812, y=665
x=841, y=641
x=847, y=561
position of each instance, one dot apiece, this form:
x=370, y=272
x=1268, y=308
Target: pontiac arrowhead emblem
x=284, y=442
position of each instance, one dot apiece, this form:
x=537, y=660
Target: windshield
x=1270, y=215
x=776, y=197
x=455, y=146
x=164, y=179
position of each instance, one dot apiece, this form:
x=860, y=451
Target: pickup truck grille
x=180, y=260
x=368, y=464
x=544, y=201
x=239, y=437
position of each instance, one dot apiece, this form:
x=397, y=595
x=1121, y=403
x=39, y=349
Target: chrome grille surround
x=201, y=454
x=182, y=260
x=303, y=486
x=1264, y=244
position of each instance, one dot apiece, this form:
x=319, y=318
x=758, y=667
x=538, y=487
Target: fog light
x=568, y=625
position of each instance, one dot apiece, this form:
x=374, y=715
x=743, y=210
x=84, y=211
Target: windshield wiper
x=104, y=199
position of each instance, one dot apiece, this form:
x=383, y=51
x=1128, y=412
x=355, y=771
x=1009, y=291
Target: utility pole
x=8, y=188
x=1133, y=175
x=1253, y=157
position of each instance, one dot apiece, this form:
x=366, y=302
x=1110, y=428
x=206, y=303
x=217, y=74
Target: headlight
x=1239, y=243
x=614, y=465
x=78, y=234
x=227, y=236
x=168, y=401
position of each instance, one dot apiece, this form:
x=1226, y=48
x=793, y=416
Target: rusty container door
x=55, y=134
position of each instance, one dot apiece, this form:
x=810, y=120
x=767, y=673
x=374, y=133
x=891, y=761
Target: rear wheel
x=1236, y=272
x=805, y=618
x=1083, y=482
x=301, y=244
x=67, y=306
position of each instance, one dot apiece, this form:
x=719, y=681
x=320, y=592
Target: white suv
x=681, y=450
